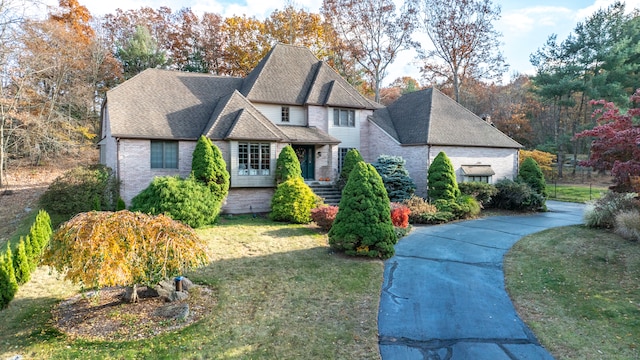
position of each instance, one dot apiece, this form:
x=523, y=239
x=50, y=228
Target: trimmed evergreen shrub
x=8, y=283
x=120, y=205
x=514, y=195
x=39, y=235
x=419, y=207
x=363, y=224
x=293, y=201
x=186, y=200
x=601, y=213
x=395, y=177
x=441, y=179
x=479, y=190
x=79, y=190
x=324, y=216
x=531, y=174
x=208, y=167
x=21, y=263
x=351, y=158
x=628, y=224
x=287, y=165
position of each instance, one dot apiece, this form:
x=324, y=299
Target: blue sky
x=525, y=24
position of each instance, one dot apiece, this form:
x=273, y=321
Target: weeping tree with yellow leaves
x=99, y=249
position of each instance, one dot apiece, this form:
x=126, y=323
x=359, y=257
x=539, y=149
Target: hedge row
x=16, y=269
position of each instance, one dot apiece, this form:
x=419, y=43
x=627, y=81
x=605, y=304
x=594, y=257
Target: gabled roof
x=292, y=75
x=429, y=117
x=166, y=104
x=235, y=118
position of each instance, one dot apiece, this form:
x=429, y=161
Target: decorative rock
x=187, y=284
x=164, y=289
x=178, y=311
x=178, y=296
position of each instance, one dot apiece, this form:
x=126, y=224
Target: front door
x=307, y=160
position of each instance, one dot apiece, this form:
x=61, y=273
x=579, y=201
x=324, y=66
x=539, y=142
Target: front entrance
x=307, y=160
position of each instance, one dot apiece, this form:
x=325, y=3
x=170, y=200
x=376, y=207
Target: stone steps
x=330, y=193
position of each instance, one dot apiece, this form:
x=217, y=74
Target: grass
x=575, y=193
x=281, y=294
x=577, y=289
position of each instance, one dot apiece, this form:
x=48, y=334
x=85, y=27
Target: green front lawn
x=281, y=292
x=578, y=290
x=574, y=193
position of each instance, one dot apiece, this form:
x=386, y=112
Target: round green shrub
x=349, y=162
x=531, y=174
x=79, y=190
x=441, y=179
x=293, y=201
x=185, y=200
x=395, y=177
x=363, y=225
x=483, y=192
x=287, y=165
x=514, y=195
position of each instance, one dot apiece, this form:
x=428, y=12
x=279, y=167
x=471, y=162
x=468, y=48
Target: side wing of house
x=421, y=124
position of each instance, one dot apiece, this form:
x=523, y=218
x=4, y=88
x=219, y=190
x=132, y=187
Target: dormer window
x=285, y=114
x=344, y=117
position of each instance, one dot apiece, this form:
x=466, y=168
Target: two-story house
x=151, y=123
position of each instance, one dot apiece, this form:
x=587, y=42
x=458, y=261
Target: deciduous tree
x=100, y=249
x=616, y=141
x=374, y=32
x=466, y=45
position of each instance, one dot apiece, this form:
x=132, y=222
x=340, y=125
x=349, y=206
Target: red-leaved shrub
x=323, y=216
x=400, y=215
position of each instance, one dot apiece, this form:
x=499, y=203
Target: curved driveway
x=443, y=295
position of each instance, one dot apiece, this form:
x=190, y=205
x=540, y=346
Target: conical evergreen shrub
x=531, y=174
x=395, y=177
x=363, y=224
x=287, y=165
x=208, y=167
x=21, y=263
x=441, y=179
x=8, y=283
x=351, y=158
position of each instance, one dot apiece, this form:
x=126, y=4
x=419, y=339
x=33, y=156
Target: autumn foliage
x=100, y=249
x=324, y=216
x=616, y=142
x=400, y=215
x=544, y=159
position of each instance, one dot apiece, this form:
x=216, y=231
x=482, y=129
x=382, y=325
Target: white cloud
x=521, y=21
x=603, y=4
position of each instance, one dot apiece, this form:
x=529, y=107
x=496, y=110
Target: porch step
x=330, y=193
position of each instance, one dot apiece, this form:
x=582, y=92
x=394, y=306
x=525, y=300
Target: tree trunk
x=131, y=294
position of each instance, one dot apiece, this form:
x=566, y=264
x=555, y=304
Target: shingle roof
x=166, y=104
x=235, y=118
x=428, y=117
x=293, y=75
x=307, y=135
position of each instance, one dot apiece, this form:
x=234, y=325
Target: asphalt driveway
x=443, y=295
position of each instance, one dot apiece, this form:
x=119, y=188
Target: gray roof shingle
x=429, y=117
x=166, y=104
x=307, y=135
x=292, y=75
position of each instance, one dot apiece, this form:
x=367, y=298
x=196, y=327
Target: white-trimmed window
x=164, y=154
x=254, y=159
x=344, y=117
x=285, y=114
x=484, y=179
x=342, y=153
